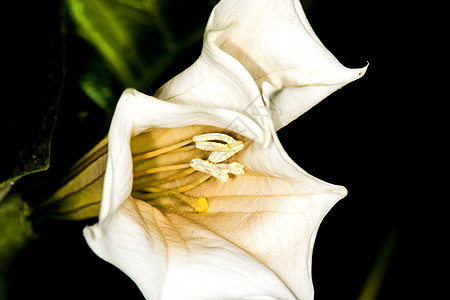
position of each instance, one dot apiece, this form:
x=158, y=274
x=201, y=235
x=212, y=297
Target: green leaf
x=97, y=84
x=5, y=187
x=374, y=281
x=139, y=39
x=15, y=234
x=28, y=114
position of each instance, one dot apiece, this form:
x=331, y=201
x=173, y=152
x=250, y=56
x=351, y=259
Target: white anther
x=220, y=156
x=233, y=168
x=209, y=168
x=212, y=146
x=214, y=137
x=220, y=151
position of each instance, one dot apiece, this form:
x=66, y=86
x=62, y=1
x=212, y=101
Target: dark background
x=361, y=137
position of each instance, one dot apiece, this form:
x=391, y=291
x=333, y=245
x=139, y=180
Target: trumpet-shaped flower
x=200, y=200
x=180, y=231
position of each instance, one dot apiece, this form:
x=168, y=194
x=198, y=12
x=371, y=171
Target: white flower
x=254, y=240
x=186, y=212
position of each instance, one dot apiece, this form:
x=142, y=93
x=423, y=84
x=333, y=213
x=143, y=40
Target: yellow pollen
x=147, y=187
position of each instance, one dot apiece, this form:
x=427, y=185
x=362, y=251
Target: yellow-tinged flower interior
x=168, y=163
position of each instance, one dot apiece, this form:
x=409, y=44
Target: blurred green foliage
x=374, y=281
x=15, y=233
x=132, y=43
x=136, y=40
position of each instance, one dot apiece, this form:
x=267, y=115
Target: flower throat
x=173, y=170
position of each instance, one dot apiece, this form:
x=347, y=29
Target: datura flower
x=200, y=200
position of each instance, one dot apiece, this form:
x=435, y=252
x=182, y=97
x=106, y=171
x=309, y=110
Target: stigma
x=195, y=160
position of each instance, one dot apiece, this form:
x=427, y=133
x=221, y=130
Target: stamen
x=213, y=146
x=160, y=169
x=214, y=137
x=184, y=149
x=154, y=191
x=164, y=180
x=220, y=156
x=160, y=151
x=233, y=168
x=222, y=146
x=209, y=168
x=219, y=171
x=221, y=152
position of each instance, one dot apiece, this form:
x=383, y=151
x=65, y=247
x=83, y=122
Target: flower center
x=173, y=170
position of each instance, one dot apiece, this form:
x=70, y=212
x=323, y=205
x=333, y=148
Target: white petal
x=273, y=219
x=215, y=80
x=272, y=160
x=174, y=258
x=273, y=211
x=124, y=242
x=272, y=215
x=275, y=43
x=280, y=234
x=137, y=112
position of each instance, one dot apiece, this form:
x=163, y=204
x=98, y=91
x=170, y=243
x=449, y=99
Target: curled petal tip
x=363, y=70
x=129, y=91
x=338, y=190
